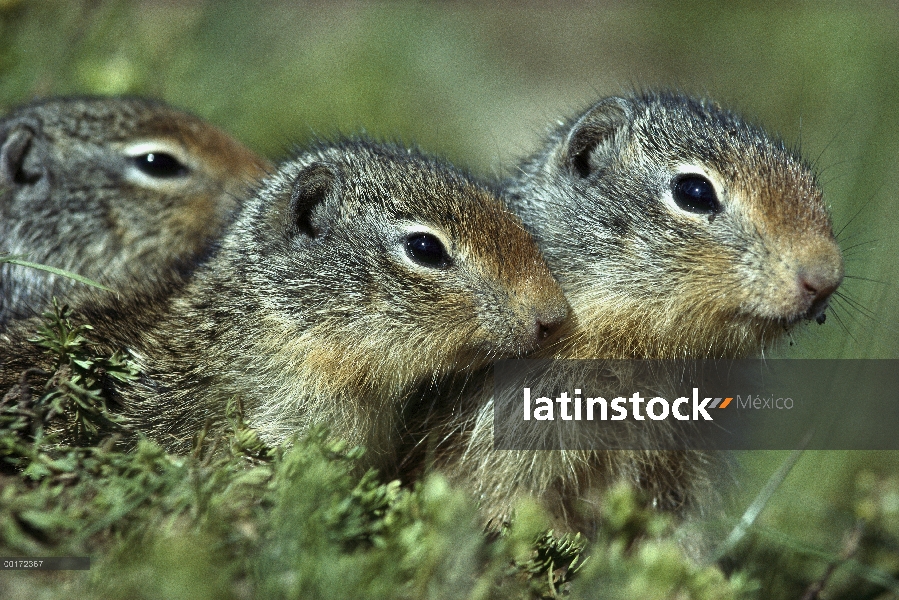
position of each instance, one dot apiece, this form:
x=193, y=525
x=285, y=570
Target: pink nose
x=816, y=286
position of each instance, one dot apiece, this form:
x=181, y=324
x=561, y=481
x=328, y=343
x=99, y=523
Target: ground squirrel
x=676, y=230
x=111, y=188
x=356, y=272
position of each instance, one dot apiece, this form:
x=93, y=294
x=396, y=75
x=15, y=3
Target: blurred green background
x=480, y=85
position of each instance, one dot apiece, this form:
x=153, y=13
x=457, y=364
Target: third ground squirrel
x=115, y=189
x=677, y=230
x=357, y=272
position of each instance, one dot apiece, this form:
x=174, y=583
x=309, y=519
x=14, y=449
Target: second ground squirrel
x=356, y=273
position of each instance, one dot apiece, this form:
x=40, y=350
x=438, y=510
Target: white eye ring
x=690, y=169
x=411, y=230
x=146, y=148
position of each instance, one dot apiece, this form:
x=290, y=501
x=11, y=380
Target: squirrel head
x=116, y=189
x=677, y=229
x=153, y=175
x=377, y=263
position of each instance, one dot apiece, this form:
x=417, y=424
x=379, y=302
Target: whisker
x=837, y=177
x=854, y=216
x=852, y=236
x=871, y=319
x=850, y=313
x=855, y=304
x=842, y=325
x=837, y=135
x=858, y=245
x=857, y=277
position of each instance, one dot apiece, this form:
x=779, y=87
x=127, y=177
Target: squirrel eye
x=160, y=165
x=427, y=250
x=695, y=194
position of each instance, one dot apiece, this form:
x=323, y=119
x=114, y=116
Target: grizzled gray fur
x=115, y=189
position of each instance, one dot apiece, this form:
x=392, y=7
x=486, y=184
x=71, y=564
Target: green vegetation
x=14, y=260
x=478, y=85
x=288, y=522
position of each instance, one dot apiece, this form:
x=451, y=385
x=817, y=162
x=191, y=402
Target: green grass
x=13, y=260
x=236, y=519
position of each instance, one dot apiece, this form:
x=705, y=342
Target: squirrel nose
x=549, y=321
x=544, y=330
x=816, y=284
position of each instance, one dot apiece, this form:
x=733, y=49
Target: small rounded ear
x=593, y=130
x=314, y=200
x=21, y=159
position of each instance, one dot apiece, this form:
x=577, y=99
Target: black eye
x=160, y=165
x=696, y=194
x=427, y=250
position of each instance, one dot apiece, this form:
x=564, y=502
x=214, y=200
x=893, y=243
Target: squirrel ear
x=21, y=163
x=312, y=199
x=593, y=130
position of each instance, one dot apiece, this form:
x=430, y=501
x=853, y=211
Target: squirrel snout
x=549, y=320
x=817, y=281
x=818, y=286
x=547, y=328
